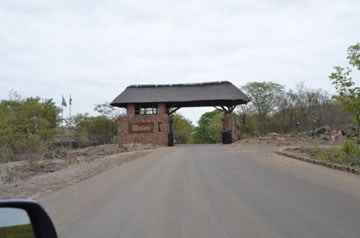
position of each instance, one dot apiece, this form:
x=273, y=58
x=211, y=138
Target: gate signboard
x=141, y=127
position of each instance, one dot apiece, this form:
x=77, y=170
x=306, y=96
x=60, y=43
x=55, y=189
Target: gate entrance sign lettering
x=141, y=127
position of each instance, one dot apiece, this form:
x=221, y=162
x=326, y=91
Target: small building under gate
x=149, y=108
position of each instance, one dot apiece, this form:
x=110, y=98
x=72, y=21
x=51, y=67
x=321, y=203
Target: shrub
x=94, y=130
x=26, y=127
x=350, y=151
x=11, y=175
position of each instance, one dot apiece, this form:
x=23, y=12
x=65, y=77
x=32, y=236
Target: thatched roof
x=221, y=93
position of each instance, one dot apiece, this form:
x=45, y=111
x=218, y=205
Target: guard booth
x=149, y=108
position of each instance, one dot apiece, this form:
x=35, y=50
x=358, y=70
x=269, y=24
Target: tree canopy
x=209, y=128
x=348, y=93
x=26, y=126
x=183, y=129
x=94, y=130
x=264, y=98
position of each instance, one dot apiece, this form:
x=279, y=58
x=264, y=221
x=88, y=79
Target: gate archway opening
x=149, y=108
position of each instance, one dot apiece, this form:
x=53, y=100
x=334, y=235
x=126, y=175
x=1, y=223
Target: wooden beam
x=223, y=107
x=231, y=109
x=171, y=112
x=216, y=107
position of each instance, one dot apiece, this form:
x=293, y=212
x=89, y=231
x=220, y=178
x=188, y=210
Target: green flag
x=63, y=102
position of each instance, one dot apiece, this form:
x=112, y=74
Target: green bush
x=11, y=175
x=182, y=129
x=350, y=151
x=5, y=154
x=209, y=128
x=26, y=127
x=94, y=130
x=348, y=154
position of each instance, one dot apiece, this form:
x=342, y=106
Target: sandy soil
x=19, y=180
x=284, y=140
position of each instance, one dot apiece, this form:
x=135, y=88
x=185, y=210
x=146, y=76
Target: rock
x=349, y=131
x=273, y=134
x=324, y=136
x=324, y=130
x=336, y=135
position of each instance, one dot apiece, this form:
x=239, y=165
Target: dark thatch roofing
x=221, y=93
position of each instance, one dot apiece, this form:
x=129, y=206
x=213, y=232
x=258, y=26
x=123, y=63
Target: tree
x=27, y=127
x=108, y=111
x=94, y=130
x=246, y=119
x=348, y=94
x=208, y=130
x=304, y=109
x=216, y=127
x=264, y=98
x=183, y=129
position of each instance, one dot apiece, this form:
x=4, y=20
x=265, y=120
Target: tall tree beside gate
x=348, y=92
x=209, y=129
x=265, y=97
x=183, y=129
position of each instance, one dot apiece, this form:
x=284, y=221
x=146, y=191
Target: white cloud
x=94, y=49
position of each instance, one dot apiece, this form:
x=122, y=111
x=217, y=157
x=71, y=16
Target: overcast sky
x=94, y=49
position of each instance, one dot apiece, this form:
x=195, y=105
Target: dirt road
x=210, y=191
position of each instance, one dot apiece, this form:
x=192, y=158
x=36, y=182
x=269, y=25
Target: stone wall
x=127, y=136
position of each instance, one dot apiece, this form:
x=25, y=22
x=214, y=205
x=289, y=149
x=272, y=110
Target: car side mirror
x=24, y=218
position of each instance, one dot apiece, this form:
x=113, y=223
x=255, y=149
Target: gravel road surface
x=210, y=191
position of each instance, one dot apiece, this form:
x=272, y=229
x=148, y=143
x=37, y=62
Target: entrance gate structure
x=149, y=108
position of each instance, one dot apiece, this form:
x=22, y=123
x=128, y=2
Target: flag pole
x=70, y=109
x=70, y=119
x=62, y=115
x=63, y=103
